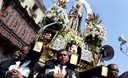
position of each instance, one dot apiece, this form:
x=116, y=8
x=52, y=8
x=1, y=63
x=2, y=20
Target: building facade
x=20, y=21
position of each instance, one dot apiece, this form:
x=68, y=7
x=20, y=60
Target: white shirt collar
x=23, y=69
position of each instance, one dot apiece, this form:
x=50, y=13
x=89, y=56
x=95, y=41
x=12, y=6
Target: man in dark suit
x=112, y=71
x=19, y=66
x=58, y=68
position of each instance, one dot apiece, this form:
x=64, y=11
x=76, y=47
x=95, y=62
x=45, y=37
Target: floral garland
x=56, y=14
x=94, y=33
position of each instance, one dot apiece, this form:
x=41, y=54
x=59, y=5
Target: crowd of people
x=22, y=66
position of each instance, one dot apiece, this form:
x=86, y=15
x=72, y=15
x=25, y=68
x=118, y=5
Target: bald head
x=112, y=71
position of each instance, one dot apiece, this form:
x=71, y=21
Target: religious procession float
x=61, y=30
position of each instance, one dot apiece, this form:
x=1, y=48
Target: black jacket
x=51, y=64
x=4, y=67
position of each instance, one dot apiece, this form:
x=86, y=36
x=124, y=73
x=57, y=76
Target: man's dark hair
x=110, y=66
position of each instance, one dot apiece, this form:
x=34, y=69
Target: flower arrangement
x=56, y=14
x=94, y=33
x=71, y=36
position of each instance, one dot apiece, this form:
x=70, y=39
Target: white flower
x=56, y=13
x=94, y=32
